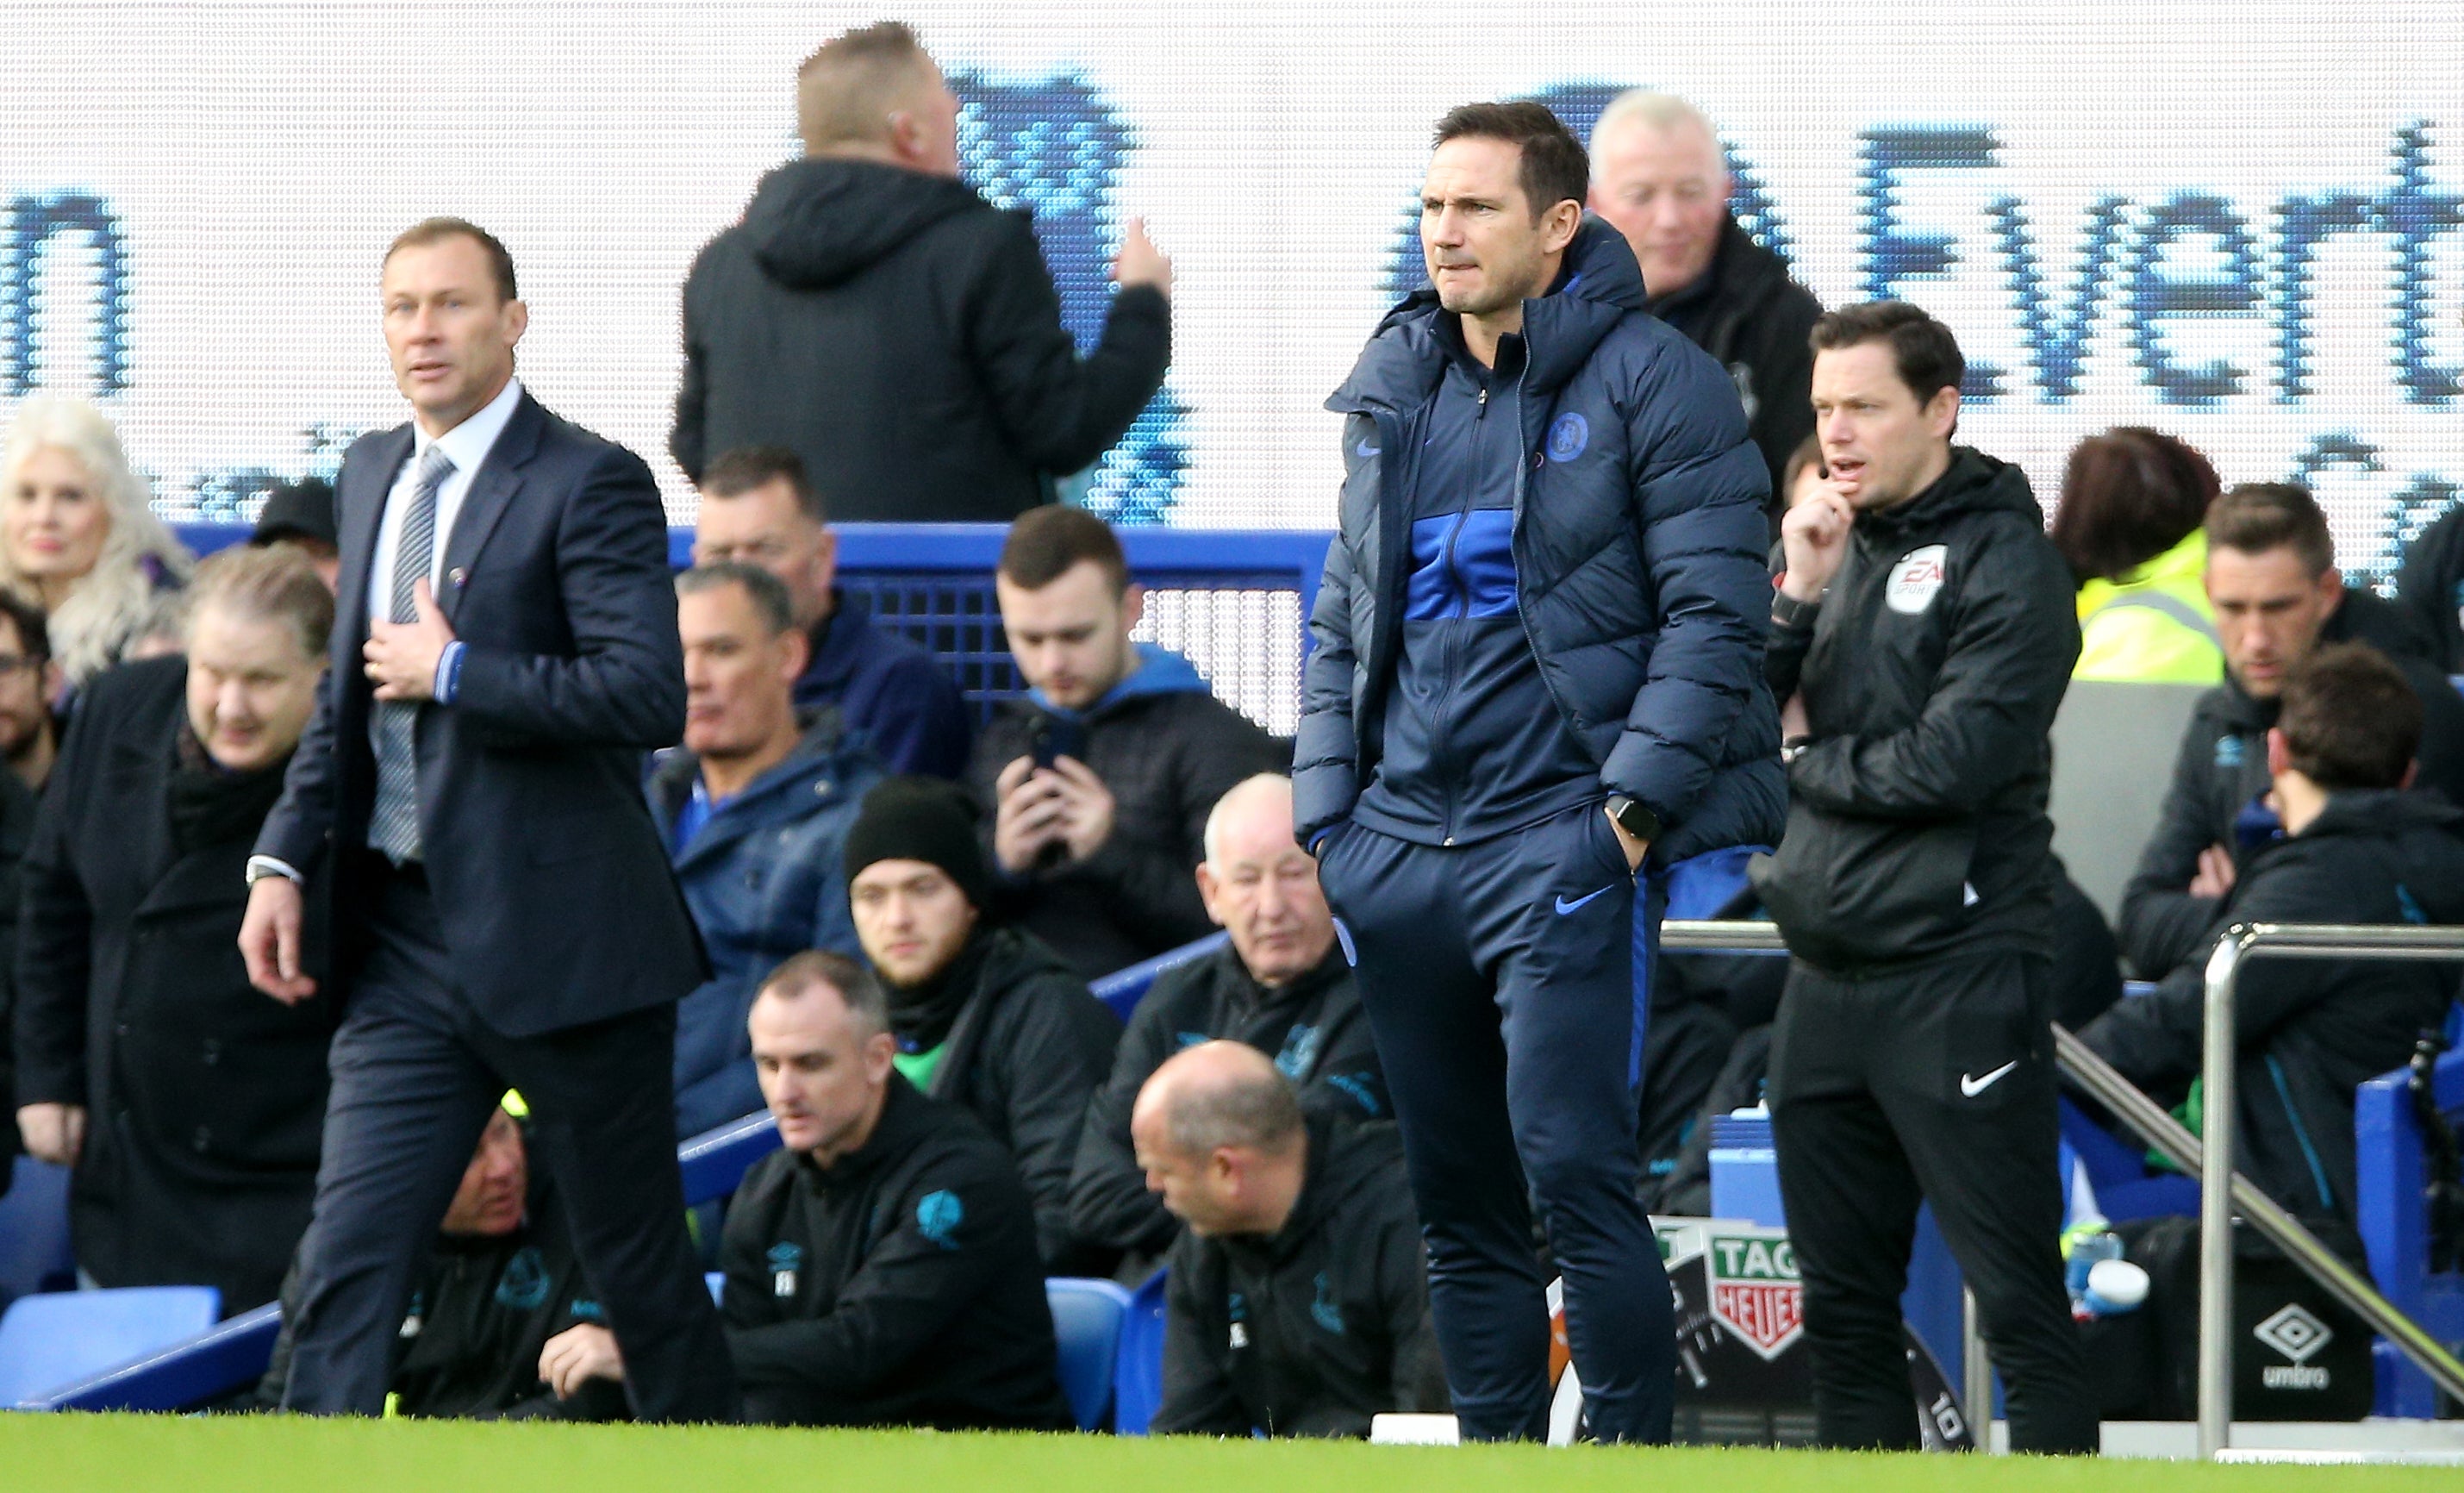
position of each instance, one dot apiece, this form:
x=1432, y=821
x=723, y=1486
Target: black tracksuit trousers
x=1933, y=1083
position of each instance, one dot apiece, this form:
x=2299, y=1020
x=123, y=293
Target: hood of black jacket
x=2361, y=617
x=1743, y=274
x=1343, y=1158
x=2423, y=833
x=816, y=222
x=1598, y=285
x=1976, y=483
x=905, y=1123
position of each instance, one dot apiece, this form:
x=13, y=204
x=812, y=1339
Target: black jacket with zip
x=898, y=1286
x=1313, y=1028
x=2223, y=766
x=1314, y=1328
x=903, y=335
x=2309, y=1031
x=1025, y=1052
x=1931, y=673
x=1750, y=313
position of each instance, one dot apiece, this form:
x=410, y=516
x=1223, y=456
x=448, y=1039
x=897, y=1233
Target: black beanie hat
x=921, y=818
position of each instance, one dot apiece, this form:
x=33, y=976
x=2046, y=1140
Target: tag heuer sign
x=1755, y=1292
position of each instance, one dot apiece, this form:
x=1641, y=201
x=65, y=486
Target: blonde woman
x=76, y=535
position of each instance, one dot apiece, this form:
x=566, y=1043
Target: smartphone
x=1055, y=737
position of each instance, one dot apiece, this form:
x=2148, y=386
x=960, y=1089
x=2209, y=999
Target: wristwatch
x=1634, y=818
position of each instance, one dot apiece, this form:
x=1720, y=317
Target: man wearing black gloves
x=881, y=1267
x=2356, y=849
x=875, y=315
x=1928, y=624
x=1283, y=987
x=983, y=1015
x=1298, y=1304
x=1538, y=669
x=2277, y=595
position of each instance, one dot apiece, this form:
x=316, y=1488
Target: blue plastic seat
x=1137, y=1381
x=54, y=1339
x=1086, y=1326
x=35, y=1230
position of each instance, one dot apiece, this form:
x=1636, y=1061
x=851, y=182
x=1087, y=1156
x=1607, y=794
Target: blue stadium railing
x=233, y=1354
x=933, y=583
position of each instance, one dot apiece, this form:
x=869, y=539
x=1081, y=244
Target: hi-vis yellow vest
x=2154, y=625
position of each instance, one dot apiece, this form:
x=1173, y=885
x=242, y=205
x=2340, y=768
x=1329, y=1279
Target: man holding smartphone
x=1097, y=784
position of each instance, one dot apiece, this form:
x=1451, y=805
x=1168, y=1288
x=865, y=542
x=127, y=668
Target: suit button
x=213, y=1052
x=821, y=789
x=205, y=1139
x=120, y=1029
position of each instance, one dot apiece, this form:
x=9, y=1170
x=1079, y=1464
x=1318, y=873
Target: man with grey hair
x=1280, y=985
x=881, y=1264
x=1659, y=175
x=1298, y=1304
x=874, y=314
x=754, y=808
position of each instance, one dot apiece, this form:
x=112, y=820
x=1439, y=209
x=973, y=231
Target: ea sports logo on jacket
x=1756, y=1292
x=1915, y=579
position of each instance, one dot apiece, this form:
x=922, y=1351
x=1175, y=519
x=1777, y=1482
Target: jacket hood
x=1597, y=284
x=1975, y=484
x=906, y=1121
x=2361, y=617
x=1741, y=272
x=1160, y=671
x=2424, y=836
x=827, y=746
x=816, y=222
x=1343, y=1160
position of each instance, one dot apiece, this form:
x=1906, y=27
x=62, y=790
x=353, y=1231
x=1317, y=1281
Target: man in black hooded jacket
x=1930, y=626
x=2357, y=849
x=2277, y=593
x=878, y=317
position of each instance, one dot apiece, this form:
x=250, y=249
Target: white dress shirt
x=467, y=445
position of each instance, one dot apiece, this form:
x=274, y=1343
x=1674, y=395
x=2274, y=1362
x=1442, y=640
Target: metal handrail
x=2235, y=947
x=2159, y=1130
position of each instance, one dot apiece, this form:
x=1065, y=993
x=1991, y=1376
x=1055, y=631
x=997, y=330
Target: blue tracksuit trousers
x=1499, y=982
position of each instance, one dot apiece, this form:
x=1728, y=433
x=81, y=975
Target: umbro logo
x=1971, y=1087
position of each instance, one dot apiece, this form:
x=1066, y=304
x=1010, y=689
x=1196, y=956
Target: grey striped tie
x=393, y=825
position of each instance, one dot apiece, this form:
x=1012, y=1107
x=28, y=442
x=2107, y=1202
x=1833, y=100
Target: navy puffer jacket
x=1639, y=551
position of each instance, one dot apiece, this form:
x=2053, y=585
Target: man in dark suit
x=504, y=651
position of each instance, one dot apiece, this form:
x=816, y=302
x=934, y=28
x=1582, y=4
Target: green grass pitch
x=113, y=1454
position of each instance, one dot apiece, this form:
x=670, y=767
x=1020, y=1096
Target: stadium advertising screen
x=2241, y=224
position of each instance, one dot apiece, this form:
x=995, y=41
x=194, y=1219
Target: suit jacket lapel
x=491, y=492
x=360, y=503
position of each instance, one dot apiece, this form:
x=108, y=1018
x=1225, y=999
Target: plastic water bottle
x=2085, y=1245
x=2113, y=1287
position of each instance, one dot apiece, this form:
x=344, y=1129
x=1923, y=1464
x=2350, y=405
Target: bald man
x=1659, y=175
x=1282, y=985
x=1297, y=1304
